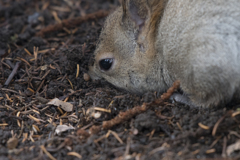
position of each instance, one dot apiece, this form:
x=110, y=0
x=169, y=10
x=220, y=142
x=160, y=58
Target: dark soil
x=28, y=82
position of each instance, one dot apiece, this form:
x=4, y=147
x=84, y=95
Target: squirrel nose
x=92, y=74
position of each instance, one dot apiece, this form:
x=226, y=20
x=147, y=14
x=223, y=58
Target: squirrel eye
x=106, y=64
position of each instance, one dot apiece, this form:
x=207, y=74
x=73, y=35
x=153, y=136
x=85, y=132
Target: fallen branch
x=124, y=116
x=69, y=23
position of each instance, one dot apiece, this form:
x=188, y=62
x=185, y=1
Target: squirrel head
x=125, y=55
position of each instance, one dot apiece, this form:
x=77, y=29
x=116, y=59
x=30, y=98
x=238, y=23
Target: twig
x=219, y=121
x=224, y=153
x=8, y=90
x=69, y=23
x=14, y=71
x=124, y=116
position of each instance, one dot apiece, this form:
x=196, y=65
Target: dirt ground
x=40, y=63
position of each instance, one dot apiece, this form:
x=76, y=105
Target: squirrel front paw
x=183, y=99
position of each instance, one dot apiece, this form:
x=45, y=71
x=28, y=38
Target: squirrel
x=146, y=45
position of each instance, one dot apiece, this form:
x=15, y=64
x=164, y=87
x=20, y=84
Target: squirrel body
x=146, y=45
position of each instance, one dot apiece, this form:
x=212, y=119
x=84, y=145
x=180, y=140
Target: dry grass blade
x=74, y=154
x=77, y=74
x=102, y=109
x=235, y=113
x=203, y=126
x=35, y=119
x=211, y=151
x=27, y=51
x=116, y=136
x=47, y=153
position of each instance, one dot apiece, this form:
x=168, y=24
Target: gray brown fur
x=194, y=41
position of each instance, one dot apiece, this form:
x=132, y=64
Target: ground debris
x=63, y=128
x=233, y=147
x=35, y=70
x=68, y=107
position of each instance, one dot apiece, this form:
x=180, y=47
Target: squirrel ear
x=136, y=10
x=124, y=6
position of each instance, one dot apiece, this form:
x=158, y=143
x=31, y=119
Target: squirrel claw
x=183, y=99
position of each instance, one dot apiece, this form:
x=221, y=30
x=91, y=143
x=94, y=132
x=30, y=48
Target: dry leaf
x=68, y=107
x=43, y=68
x=62, y=128
x=12, y=143
x=233, y=147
